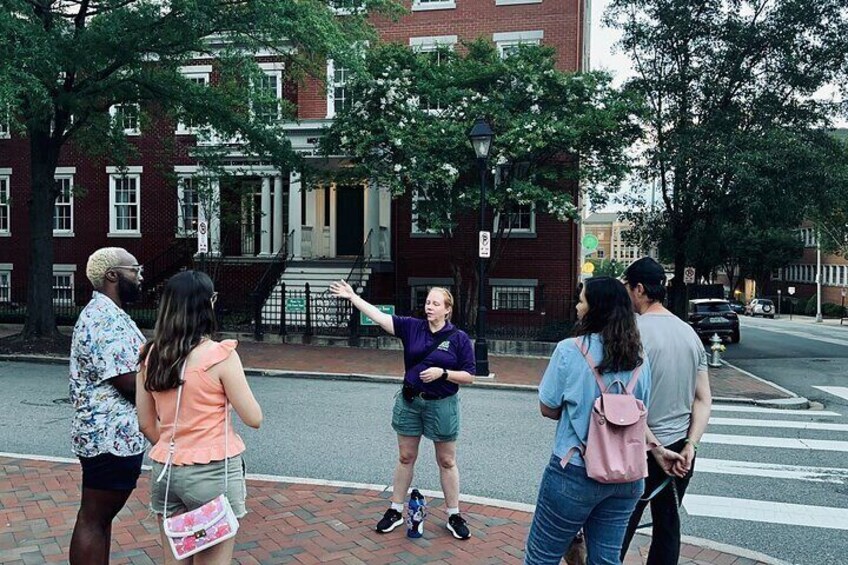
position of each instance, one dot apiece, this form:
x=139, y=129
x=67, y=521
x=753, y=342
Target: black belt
x=410, y=393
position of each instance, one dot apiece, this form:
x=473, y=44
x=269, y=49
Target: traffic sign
x=296, y=305
x=590, y=242
x=384, y=308
x=485, y=245
x=588, y=268
x=791, y=290
x=689, y=275
x=202, y=237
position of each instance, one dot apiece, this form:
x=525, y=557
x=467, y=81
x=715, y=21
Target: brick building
x=151, y=209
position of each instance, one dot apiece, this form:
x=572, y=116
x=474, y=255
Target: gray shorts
x=192, y=486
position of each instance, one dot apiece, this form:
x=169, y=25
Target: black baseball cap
x=645, y=271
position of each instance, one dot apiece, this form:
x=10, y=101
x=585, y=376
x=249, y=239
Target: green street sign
x=590, y=242
x=384, y=308
x=296, y=305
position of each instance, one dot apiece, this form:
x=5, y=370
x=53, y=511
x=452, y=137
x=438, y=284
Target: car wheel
x=771, y=317
x=734, y=337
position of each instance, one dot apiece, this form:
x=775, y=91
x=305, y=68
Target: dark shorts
x=111, y=472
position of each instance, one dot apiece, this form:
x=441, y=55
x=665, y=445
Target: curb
x=468, y=499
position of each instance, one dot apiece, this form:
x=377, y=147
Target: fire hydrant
x=716, y=346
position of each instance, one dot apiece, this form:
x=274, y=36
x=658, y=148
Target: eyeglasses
x=137, y=268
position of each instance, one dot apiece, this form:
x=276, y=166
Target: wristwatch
x=444, y=374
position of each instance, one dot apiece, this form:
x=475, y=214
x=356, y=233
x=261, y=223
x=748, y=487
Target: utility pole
x=818, y=277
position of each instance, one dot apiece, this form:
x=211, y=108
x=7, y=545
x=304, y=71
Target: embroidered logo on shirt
x=444, y=346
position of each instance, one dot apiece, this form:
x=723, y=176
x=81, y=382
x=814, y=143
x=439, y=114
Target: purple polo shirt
x=456, y=354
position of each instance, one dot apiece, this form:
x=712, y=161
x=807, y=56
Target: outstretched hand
x=342, y=290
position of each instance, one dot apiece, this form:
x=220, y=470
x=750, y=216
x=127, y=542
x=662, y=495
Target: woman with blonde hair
x=185, y=386
x=438, y=358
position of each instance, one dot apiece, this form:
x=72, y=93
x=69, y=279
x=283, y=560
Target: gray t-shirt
x=676, y=355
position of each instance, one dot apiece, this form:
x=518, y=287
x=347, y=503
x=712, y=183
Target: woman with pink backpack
x=596, y=386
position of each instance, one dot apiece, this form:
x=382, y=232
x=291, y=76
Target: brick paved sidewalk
x=287, y=523
x=727, y=382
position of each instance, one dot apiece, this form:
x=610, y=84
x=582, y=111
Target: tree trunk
x=678, y=287
x=41, y=320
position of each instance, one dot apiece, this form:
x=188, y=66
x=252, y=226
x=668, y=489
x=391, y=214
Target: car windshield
x=766, y=302
x=712, y=307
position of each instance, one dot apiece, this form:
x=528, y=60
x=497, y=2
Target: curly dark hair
x=611, y=315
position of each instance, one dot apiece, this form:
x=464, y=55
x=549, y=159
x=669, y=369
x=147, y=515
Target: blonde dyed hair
x=101, y=261
x=448, y=298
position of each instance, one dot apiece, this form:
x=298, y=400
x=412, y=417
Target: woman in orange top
x=213, y=376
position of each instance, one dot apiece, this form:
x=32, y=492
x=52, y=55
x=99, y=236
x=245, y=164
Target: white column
x=215, y=217
x=330, y=192
x=265, y=240
x=295, y=195
x=818, y=277
x=386, y=221
x=372, y=215
x=278, y=214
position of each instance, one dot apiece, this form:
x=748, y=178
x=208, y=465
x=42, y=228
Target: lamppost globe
x=481, y=136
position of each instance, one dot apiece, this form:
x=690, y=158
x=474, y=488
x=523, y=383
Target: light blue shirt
x=570, y=383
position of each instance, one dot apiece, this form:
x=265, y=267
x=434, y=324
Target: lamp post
x=481, y=136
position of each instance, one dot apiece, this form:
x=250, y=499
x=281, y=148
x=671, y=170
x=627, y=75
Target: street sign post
x=202, y=237
x=590, y=243
x=689, y=275
x=384, y=308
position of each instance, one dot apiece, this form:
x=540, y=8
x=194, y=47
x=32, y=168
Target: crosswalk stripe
x=764, y=511
x=772, y=470
x=761, y=410
x=840, y=391
x=782, y=442
x=788, y=424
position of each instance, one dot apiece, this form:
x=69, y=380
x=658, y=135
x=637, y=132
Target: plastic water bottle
x=417, y=512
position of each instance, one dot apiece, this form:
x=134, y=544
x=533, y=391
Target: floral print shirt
x=105, y=344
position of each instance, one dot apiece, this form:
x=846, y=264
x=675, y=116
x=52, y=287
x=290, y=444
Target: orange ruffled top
x=200, y=433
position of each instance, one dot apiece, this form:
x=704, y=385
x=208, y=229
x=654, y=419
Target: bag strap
x=590, y=360
x=433, y=346
x=172, y=446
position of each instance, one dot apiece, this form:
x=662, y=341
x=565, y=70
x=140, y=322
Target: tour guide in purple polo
x=438, y=358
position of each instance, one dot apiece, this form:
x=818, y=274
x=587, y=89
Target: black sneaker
x=456, y=525
x=391, y=520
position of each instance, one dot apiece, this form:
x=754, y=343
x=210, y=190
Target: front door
x=350, y=219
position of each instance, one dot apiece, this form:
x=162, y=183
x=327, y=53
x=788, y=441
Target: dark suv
x=709, y=316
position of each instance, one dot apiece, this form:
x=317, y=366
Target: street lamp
x=481, y=136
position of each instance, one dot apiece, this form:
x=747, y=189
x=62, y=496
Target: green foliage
x=732, y=126
x=607, y=268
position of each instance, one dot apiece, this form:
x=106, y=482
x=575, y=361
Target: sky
x=601, y=42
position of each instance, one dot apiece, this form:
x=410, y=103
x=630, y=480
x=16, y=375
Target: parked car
x=709, y=316
x=737, y=306
x=760, y=307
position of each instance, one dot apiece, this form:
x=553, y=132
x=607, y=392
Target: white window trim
x=275, y=69
x=517, y=231
x=6, y=175
x=63, y=173
x=516, y=2
x=433, y=42
x=498, y=288
x=181, y=231
x=6, y=269
x=418, y=6
x=5, y=126
x=413, y=228
x=189, y=72
x=508, y=39
x=60, y=269
x=348, y=11
x=114, y=174
x=331, y=86
x=113, y=112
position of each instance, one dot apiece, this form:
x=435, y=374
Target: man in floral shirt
x=105, y=435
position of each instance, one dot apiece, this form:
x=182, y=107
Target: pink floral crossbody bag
x=208, y=525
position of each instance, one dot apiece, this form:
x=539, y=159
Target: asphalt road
x=786, y=499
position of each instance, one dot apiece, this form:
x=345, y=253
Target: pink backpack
x=616, y=446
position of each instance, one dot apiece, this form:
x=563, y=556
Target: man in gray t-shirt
x=678, y=411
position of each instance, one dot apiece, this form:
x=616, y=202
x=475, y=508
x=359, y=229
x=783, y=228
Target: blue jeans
x=570, y=500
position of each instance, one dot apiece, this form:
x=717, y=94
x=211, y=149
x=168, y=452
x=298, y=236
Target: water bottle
x=417, y=512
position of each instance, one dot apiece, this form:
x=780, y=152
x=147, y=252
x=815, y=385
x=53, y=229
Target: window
x=508, y=43
x=269, y=91
x=126, y=116
x=199, y=76
x=522, y=218
x=63, y=288
x=124, y=202
x=601, y=254
x=63, y=207
x=188, y=201
x=421, y=5
x=5, y=132
x=513, y=298
x=5, y=286
x=4, y=205
x=433, y=47
x=345, y=7
x=419, y=224
x=339, y=91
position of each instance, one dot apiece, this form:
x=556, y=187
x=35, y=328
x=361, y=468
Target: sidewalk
x=287, y=523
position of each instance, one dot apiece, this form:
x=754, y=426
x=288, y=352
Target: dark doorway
x=350, y=217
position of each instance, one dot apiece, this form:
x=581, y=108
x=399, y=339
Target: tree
x=727, y=84
x=407, y=131
x=608, y=268
x=830, y=209
x=65, y=63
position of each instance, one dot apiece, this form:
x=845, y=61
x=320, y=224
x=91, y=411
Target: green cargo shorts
x=437, y=420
